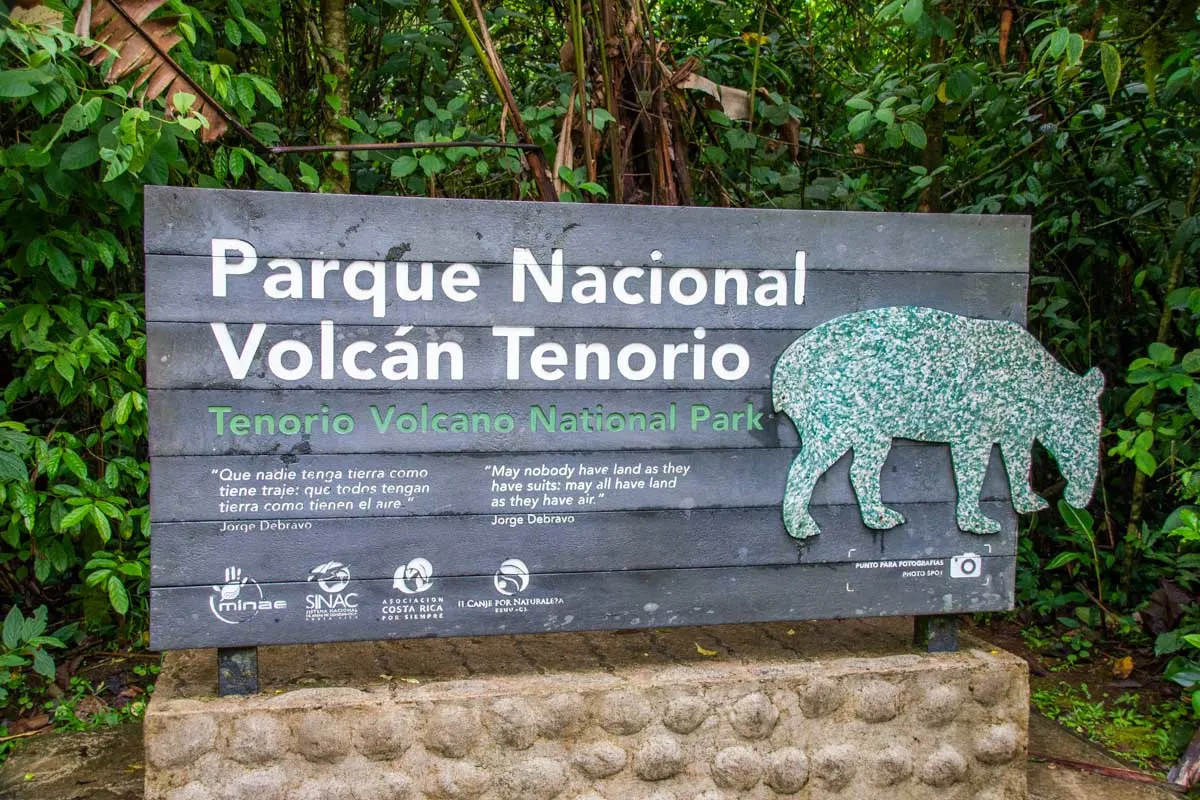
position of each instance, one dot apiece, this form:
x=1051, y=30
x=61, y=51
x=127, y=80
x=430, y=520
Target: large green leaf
x=860, y=122
x=1193, y=400
x=267, y=90
x=431, y=164
x=82, y=115
x=1110, y=65
x=1062, y=559
x=959, y=83
x=117, y=595
x=102, y=525
x=75, y=516
x=1078, y=519
x=21, y=82
x=914, y=134
x=12, y=468
x=404, y=166
x=80, y=154
x=1191, y=361
x=1074, y=49
x=233, y=32
x=11, y=633
x=43, y=664
x=73, y=462
x=61, y=268
x=123, y=408
x=1162, y=354
x=1058, y=42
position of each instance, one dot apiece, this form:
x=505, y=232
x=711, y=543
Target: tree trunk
x=335, y=49
x=931, y=197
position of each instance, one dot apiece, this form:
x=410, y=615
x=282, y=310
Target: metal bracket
x=237, y=671
x=936, y=634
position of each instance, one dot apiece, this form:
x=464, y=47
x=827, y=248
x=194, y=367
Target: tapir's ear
x=1093, y=381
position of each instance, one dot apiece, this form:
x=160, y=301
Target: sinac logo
x=331, y=603
x=332, y=576
x=414, y=577
x=512, y=577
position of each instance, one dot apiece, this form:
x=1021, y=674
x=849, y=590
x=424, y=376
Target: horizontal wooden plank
x=828, y=293
x=188, y=356
x=276, y=551
x=184, y=220
x=297, y=612
x=298, y=486
x=199, y=422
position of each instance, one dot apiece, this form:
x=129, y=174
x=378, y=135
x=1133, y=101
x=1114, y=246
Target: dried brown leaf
x=564, y=154
x=83, y=19
x=89, y=706
x=735, y=103
x=690, y=65
x=1006, y=19
x=140, y=10
x=1165, y=608
x=37, y=17
x=141, y=49
x=155, y=79
x=26, y=724
x=791, y=134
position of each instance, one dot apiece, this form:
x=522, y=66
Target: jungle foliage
x=1084, y=114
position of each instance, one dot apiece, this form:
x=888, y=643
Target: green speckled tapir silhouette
x=858, y=381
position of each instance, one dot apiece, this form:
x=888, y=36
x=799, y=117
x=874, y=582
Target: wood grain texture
x=181, y=616
x=186, y=356
x=182, y=221
x=277, y=551
x=828, y=292
x=186, y=488
x=186, y=422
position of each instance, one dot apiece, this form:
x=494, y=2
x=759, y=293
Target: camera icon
x=967, y=565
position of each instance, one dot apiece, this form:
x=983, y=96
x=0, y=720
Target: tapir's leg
x=869, y=456
x=970, y=465
x=1018, y=457
x=816, y=456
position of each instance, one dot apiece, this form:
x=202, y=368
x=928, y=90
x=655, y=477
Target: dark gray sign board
x=378, y=418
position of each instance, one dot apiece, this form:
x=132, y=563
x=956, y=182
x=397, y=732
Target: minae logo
x=240, y=598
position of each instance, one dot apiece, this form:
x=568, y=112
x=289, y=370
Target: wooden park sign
x=378, y=417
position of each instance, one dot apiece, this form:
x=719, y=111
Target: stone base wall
x=757, y=711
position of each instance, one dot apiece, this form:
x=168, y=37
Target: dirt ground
x=1114, y=670
x=93, y=765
